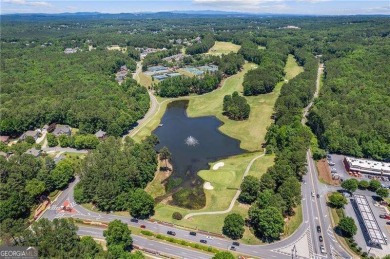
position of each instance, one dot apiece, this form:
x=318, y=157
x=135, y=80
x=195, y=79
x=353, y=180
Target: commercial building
x=366, y=166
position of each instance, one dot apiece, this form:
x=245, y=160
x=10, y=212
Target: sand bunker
x=208, y=186
x=218, y=165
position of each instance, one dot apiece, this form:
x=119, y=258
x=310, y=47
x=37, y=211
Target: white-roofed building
x=366, y=166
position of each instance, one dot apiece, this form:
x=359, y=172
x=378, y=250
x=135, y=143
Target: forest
x=112, y=173
x=352, y=114
x=25, y=180
x=182, y=85
x=42, y=85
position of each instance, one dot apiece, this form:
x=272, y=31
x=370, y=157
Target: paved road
x=64, y=149
x=159, y=248
x=153, y=109
x=316, y=208
x=262, y=251
x=234, y=198
x=314, y=213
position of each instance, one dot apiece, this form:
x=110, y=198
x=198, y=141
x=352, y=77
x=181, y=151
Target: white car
x=322, y=248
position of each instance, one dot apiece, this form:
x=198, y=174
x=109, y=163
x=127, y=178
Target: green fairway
x=222, y=47
x=227, y=179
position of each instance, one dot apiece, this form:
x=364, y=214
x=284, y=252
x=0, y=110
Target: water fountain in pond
x=191, y=141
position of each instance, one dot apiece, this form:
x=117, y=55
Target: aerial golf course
x=250, y=133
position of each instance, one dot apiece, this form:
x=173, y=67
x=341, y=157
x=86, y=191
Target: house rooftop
x=33, y=151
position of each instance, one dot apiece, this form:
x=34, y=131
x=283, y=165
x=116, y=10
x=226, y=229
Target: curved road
x=313, y=214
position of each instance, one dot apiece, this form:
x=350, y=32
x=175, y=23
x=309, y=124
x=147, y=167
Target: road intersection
x=303, y=243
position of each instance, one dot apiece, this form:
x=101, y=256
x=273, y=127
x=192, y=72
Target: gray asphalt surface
x=152, y=246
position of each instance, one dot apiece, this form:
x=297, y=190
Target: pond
x=193, y=142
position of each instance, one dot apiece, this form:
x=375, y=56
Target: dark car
x=318, y=195
x=320, y=238
x=318, y=229
x=134, y=220
x=388, y=222
x=192, y=233
x=172, y=233
x=142, y=226
x=236, y=244
x=233, y=248
x=203, y=241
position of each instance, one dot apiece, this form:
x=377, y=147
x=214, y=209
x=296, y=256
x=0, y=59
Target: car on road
x=203, y=241
x=388, y=223
x=312, y=194
x=134, y=220
x=209, y=237
x=322, y=248
x=142, y=226
x=192, y=233
x=384, y=216
x=172, y=233
x=331, y=163
x=320, y=238
x=233, y=248
x=318, y=229
x=318, y=195
x=236, y=243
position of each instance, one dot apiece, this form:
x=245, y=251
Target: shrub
x=147, y=233
x=177, y=215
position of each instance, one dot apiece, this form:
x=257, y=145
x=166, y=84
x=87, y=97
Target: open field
x=144, y=80
x=116, y=47
x=227, y=179
x=292, y=69
x=293, y=222
x=221, y=47
x=261, y=165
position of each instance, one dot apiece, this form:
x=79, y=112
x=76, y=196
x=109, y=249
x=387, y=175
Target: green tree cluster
x=181, y=85
x=236, y=107
x=206, y=43
x=113, y=172
x=78, y=90
x=233, y=226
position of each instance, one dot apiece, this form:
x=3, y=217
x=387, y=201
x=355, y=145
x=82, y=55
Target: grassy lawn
x=221, y=47
x=145, y=80
x=155, y=187
x=294, y=222
x=261, y=165
x=292, y=69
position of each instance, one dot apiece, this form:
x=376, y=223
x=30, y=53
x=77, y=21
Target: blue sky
x=320, y=7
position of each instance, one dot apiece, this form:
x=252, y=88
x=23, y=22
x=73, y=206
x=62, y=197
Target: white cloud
x=28, y=3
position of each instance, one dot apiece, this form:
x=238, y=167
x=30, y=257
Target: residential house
x=34, y=152
x=30, y=133
x=4, y=139
x=100, y=134
x=62, y=130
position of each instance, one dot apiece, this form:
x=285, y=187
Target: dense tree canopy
x=206, y=43
x=44, y=85
x=352, y=115
x=141, y=204
x=25, y=178
x=236, y=107
x=113, y=170
x=181, y=85
x=233, y=226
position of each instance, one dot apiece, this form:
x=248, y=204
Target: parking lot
x=342, y=172
x=361, y=237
